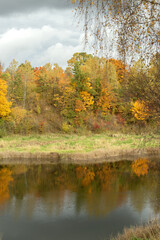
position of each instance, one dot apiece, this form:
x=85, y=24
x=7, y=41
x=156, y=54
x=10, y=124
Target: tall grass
x=150, y=231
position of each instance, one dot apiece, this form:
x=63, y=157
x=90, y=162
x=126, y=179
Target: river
x=76, y=202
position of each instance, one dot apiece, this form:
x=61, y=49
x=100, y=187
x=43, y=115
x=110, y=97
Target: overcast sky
x=39, y=31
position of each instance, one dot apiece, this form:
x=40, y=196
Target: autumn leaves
x=93, y=93
x=4, y=103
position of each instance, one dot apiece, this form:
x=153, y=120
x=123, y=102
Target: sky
x=39, y=31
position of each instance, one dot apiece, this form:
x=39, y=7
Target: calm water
x=70, y=202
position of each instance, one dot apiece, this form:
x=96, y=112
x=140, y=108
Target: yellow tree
x=4, y=104
x=140, y=110
x=106, y=100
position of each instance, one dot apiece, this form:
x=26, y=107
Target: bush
x=67, y=128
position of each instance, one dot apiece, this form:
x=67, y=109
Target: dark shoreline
x=97, y=156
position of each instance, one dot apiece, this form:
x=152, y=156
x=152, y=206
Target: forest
x=92, y=93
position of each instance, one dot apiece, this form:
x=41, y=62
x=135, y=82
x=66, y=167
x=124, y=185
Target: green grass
x=63, y=143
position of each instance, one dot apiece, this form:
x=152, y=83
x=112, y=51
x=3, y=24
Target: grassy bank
x=151, y=231
x=63, y=143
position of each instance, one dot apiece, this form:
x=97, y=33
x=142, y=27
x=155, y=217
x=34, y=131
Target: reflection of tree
x=102, y=203
x=106, y=193
x=96, y=188
x=5, y=179
x=145, y=190
x=106, y=176
x=154, y=193
x=140, y=166
x=138, y=197
x=85, y=175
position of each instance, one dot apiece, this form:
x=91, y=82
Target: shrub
x=67, y=128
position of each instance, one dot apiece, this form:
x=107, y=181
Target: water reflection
x=140, y=167
x=120, y=192
x=5, y=179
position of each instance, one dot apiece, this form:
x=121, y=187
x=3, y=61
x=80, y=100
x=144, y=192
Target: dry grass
x=150, y=231
x=63, y=143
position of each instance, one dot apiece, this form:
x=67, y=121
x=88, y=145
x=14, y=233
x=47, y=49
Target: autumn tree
x=26, y=73
x=106, y=100
x=4, y=104
x=13, y=66
x=21, y=84
x=79, y=58
x=120, y=69
x=16, y=89
x=154, y=84
x=140, y=110
x=142, y=85
x=103, y=80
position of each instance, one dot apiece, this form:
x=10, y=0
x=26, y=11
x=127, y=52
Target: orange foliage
x=106, y=100
x=140, y=167
x=120, y=68
x=38, y=71
x=79, y=106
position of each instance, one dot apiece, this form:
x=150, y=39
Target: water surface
x=65, y=202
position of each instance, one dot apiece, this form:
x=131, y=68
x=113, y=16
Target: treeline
x=92, y=93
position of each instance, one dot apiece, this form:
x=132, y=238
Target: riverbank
x=150, y=231
x=97, y=156
x=63, y=148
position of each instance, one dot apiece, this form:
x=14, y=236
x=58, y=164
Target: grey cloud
x=39, y=31
x=39, y=45
x=22, y=6
x=55, y=18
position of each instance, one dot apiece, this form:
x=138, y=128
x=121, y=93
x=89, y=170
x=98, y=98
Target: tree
x=134, y=25
x=106, y=100
x=120, y=69
x=111, y=74
x=4, y=104
x=140, y=110
x=27, y=76
x=142, y=84
x=16, y=89
x=13, y=66
x=79, y=58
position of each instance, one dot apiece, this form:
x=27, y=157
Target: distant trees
x=93, y=93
